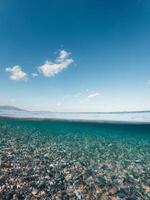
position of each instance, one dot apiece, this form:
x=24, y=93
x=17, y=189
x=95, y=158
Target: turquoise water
x=50, y=159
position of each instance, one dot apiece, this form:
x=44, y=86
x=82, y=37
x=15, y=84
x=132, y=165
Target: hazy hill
x=6, y=107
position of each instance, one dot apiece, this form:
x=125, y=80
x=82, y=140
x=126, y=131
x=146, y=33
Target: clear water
x=50, y=159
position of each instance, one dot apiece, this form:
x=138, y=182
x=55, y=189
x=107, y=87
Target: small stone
x=34, y=191
x=148, y=194
x=68, y=177
x=121, y=193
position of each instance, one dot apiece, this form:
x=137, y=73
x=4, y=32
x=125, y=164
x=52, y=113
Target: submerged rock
x=72, y=165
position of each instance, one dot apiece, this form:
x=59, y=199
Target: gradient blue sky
x=109, y=42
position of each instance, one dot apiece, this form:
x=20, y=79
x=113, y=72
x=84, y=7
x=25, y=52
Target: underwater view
x=62, y=160
x=75, y=100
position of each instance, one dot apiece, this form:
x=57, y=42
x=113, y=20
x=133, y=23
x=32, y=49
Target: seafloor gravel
x=72, y=166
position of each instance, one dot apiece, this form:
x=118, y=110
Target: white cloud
x=91, y=96
x=16, y=73
x=34, y=75
x=63, y=55
x=63, y=61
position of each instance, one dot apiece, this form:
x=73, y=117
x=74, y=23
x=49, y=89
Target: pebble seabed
x=64, y=161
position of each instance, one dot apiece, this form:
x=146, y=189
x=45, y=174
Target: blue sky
x=75, y=55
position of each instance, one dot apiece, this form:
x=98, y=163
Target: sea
x=135, y=116
x=74, y=156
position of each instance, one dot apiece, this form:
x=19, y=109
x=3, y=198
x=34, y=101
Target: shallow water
x=50, y=159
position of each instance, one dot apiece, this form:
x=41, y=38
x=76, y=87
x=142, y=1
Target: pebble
x=71, y=166
x=34, y=191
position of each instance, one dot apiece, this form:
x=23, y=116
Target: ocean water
x=58, y=159
x=142, y=116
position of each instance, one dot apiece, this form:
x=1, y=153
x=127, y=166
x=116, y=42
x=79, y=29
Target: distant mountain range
x=11, y=108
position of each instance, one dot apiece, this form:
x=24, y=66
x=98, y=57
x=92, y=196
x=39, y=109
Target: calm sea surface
x=92, y=116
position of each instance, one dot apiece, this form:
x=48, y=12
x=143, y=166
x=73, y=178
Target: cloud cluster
x=93, y=95
x=48, y=69
x=83, y=97
x=16, y=73
x=63, y=61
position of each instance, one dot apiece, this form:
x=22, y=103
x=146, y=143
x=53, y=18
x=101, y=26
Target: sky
x=75, y=55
